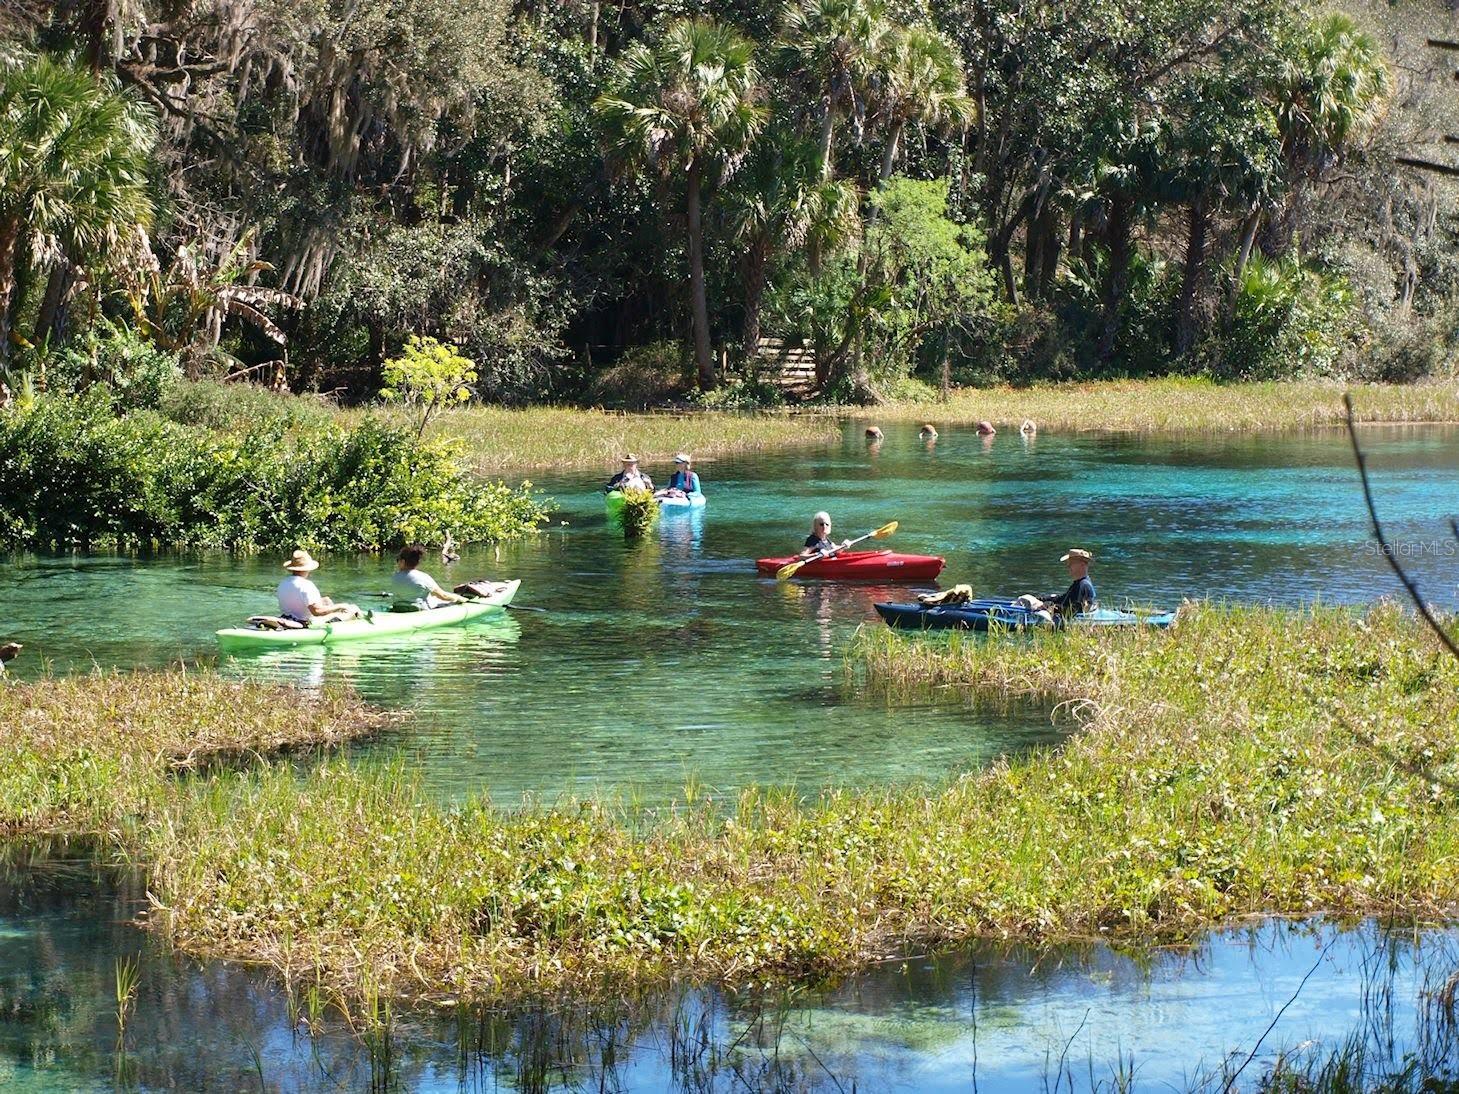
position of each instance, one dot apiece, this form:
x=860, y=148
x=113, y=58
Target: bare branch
x=1383, y=545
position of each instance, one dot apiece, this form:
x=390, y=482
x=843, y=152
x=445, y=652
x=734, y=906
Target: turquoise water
x=665, y=661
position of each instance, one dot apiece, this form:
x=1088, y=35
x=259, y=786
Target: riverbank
x=83, y=755
x=241, y=470
x=1180, y=405
x=498, y=440
x=1250, y=762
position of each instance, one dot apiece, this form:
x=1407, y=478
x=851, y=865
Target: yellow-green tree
x=428, y=376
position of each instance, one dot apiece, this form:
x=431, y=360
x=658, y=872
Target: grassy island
x=1250, y=761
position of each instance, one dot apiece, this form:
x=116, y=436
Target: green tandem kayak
x=380, y=625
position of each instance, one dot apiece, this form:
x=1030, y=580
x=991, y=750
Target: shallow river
x=665, y=662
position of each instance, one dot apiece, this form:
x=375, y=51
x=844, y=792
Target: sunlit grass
x=1250, y=761
x=83, y=754
x=499, y=440
x=1181, y=405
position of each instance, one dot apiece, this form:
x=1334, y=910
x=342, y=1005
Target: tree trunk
x=1248, y=239
x=756, y=262
x=9, y=246
x=703, y=361
x=828, y=134
x=889, y=157
x=50, y=321
x=1000, y=252
x=1275, y=238
x=1117, y=280
x=1243, y=256
x=1194, y=276
x=1053, y=240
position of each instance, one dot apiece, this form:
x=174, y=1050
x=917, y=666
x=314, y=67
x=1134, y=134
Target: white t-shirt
x=296, y=593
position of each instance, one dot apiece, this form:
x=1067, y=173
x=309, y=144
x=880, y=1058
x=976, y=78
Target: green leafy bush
x=640, y=510
x=428, y=376
x=211, y=404
x=80, y=474
x=139, y=374
x=750, y=393
x=644, y=377
x=1290, y=320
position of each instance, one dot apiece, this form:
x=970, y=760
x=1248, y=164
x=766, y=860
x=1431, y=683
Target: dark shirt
x=814, y=542
x=1078, y=598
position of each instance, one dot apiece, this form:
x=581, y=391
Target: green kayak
x=613, y=502
x=380, y=625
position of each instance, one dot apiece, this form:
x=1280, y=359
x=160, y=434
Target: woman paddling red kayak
x=823, y=558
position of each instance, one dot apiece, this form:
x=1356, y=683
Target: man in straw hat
x=630, y=478
x=300, y=599
x=1079, y=597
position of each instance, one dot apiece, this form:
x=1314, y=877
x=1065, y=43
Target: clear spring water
x=667, y=661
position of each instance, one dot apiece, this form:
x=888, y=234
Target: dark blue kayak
x=1003, y=612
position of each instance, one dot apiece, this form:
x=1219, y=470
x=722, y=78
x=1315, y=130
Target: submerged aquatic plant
x=640, y=510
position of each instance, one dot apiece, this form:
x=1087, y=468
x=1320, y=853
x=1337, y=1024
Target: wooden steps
x=790, y=368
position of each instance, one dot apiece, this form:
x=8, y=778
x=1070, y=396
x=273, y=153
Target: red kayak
x=857, y=565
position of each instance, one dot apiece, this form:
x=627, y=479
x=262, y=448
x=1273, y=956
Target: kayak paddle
x=791, y=568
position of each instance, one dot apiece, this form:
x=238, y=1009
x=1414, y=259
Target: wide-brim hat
x=683, y=457
x=301, y=562
x=1077, y=552
x=629, y=458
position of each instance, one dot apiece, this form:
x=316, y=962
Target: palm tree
x=182, y=309
x=779, y=203
x=833, y=48
x=1331, y=89
x=73, y=168
x=691, y=103
x=922, y=83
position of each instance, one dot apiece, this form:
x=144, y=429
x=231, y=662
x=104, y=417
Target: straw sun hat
x=1077, y=552
x=300, y=562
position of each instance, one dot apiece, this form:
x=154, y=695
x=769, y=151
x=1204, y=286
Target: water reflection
x=996, y=1018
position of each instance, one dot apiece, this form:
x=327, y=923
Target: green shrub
x=750, y=393
x=80, y=474
x=211, y=404
x=1290, y=320
x=139, y=374
x=645, y=376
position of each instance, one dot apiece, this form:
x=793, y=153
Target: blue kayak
x=1004, y=612
x=681, y=505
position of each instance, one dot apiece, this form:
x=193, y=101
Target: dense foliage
x=1155, y=186
x=78, y=473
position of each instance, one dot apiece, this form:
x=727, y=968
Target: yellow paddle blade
x=884, y=531
x=789, y=568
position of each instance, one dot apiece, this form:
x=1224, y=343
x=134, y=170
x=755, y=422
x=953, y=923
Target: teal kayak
x=381, y=624
x=686, y=504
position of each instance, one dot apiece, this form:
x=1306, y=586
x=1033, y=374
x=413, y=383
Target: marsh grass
x=499, y=440
x=82, y=754
x=1251, y=761
x=1181, y=405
